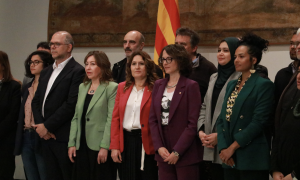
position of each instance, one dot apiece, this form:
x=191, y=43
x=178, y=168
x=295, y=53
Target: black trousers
x=58, y=164
x=7, y=162
x=129, y=169
x=234, y=174
x=211, y=171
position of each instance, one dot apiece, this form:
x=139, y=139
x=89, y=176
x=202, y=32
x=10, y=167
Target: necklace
x=169, y=87
x=233, y=96
x=92, y=89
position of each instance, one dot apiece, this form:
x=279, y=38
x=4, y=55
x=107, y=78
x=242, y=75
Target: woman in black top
x=10, y=98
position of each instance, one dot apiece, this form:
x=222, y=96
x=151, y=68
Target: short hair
x=44, y=45
x=150, y=68
x=103, y=63
x=298, y=31
x=180, y=55
x=255, y=44
x=45, y=56
x=68, y=38
x=142, y=39
x=5, y=63
x=184, y=31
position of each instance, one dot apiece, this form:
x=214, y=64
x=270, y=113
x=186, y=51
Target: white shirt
x=165, y=105
x=133, y=109
x=56, y=71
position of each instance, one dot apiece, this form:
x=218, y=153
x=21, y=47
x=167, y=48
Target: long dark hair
x=5, y=63
x=150, y=68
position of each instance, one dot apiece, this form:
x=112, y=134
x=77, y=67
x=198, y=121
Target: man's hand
x=40, y=129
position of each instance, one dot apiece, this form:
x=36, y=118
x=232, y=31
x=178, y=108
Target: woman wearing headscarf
x=212, y=106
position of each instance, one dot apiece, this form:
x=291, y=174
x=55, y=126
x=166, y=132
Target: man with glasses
x=54, y=103
x=133, y=41
x=284, y=75
x=202, y=68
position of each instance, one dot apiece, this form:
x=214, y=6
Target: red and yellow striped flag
x=168, y=22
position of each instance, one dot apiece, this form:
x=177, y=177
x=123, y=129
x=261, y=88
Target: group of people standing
x=198, y=122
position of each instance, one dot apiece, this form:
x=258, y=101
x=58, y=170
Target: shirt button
x=142, y=125
x=241, y=116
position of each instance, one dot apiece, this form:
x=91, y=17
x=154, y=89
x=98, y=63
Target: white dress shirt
x=56, y=71
x=133, y=109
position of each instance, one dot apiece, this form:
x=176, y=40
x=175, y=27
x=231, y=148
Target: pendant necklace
x=169, y=87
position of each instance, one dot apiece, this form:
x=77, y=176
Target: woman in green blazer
x=89, y=139
x=242, y=144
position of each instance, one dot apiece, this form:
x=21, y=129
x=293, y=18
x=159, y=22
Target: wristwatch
x=176, y=153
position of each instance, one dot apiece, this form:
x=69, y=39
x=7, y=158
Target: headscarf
x=224, y=72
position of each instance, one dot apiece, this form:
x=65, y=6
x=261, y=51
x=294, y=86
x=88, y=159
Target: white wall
x=24, y=23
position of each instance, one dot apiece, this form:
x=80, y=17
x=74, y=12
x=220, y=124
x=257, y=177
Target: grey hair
x=142, y=38
x=68, y=38
x=298, y=32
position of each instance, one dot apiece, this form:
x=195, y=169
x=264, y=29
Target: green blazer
x=249, y=117
x=98, y=116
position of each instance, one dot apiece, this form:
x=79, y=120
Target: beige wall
x=24, y=23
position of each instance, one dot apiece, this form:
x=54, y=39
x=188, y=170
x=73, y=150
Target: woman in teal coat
x=89, y=139
x=242, y=144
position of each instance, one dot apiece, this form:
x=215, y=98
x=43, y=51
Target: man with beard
x=133, y=41
x=284, y=75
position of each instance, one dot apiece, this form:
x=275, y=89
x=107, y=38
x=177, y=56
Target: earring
x=252, y=70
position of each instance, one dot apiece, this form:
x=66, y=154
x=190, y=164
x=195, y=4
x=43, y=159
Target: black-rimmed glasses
x=168, y=60
x=35, y=63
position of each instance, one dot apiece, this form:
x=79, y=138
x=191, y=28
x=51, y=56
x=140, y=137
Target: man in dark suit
x=202, y=68
x=133, y=41
x=54, y=105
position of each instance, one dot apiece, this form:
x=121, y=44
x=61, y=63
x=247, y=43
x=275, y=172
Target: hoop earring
x=252, y=70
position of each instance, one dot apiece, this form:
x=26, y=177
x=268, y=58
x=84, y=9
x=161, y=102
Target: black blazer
x=10, y=99
x=20, y=129
x=60, y=104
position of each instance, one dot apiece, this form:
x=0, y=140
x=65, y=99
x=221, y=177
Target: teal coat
x=249, y=117
x=98, y=116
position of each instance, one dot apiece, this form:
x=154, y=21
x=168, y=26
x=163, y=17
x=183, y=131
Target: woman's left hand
x=102, y=155
x=172, y=159
x=210, y=140
x=226, y=154
x=288, y=177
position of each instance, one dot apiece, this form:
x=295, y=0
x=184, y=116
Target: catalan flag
x=168, y=22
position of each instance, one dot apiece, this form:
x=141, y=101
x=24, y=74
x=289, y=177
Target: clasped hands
x=170, y=158
x=43, y=132
x=209, y=141
x=279, y=176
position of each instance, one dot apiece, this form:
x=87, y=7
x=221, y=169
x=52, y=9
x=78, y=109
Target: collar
x=134, y=89
x=63, y=64
x=196, y=61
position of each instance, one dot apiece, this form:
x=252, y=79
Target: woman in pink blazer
x=131, y=141
x=173, y=118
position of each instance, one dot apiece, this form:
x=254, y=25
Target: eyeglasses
x=35, y=63
x=168, y=60
x=294, y=44
x=56, y=44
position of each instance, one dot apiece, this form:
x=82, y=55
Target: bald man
x=133, y=41
x=54, y=104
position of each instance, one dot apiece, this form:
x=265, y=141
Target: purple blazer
x=183, y=117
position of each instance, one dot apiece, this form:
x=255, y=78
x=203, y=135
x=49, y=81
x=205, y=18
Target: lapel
x=4, y=89
x=100, y=90
x=146, y=97
x=158, y=98
x=69, y=66
x=178, y=93
x=123, y=100
x=209, y=93
x=43, y=82
x=221, y=99
x=243, y=95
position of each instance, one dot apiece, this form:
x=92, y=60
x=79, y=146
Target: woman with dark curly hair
x=131, y=142
x=26, y=138
x=173, y=117
x=242, y=144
